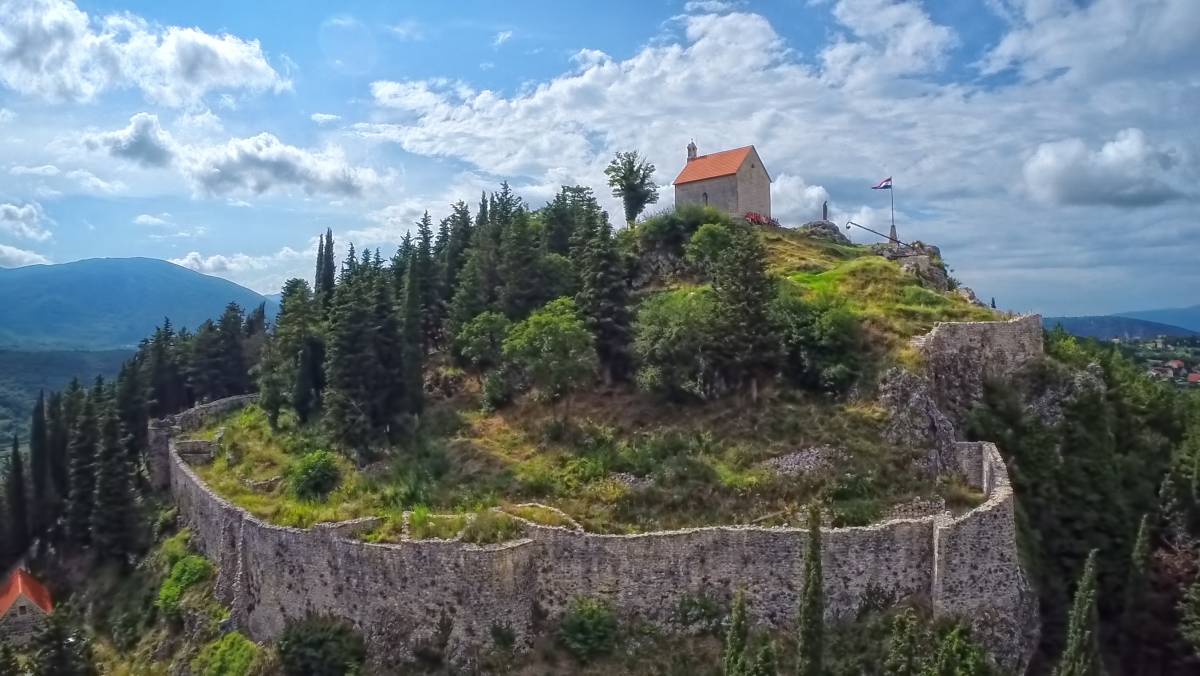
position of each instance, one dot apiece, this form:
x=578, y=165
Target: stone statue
x=825, y=210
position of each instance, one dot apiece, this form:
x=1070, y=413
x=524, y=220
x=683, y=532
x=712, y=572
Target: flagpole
x=892, y=196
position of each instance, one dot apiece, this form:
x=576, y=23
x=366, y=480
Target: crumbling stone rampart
x=446, y=596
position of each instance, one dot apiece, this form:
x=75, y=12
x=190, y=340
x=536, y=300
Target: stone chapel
x=734, y=181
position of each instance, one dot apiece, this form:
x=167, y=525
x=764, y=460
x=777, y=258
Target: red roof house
x=734, y=181
x=1194, y=378
x=1176, y=364
x=24, y=604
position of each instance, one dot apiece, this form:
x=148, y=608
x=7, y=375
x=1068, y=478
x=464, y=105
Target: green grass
x=541, y=515
x=489, y=527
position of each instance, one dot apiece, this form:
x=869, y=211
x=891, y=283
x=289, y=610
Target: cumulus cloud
x=324, y=118
x=263, y=162
x=151, y=219
x=797, y=201
x=408, y=30
x=501, y=38
x=43, y=170
x=12, y=257
x=238, y=262
x=26, y=221
x=1128, y=171
x=890, y=39
x=144, y=142
x=53, y=50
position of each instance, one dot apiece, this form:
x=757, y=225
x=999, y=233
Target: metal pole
x=863, y=227
x=892, y=196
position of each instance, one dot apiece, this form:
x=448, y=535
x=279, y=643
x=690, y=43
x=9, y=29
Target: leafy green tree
x=632, y=179
x=85, y=441
x=811, y=633
x=1081, y=657
x=820, y=338
x=734, y=658
x=904, y=646
x=604, y=300
x=675, y=340
x=707, y=244
x=555, y=350
x=18, y=506
x=58, y=650
x=764, y=661
x=112, y=519
x=319, y=646
x=743, y=292
x=481, y=342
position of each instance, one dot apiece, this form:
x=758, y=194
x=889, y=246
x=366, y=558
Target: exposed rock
x=805, y=460
x=915, y=419
x=658, y=264
x=931, y=275
x=632, y=481
x=824, y=230
x=1048, y=404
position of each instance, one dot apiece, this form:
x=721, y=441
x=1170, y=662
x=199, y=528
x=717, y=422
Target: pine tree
x=573, y=208
x=83, y=449
x=131, y=411
x=349, y=361
x=811, y=633
x=400, y=261
x=413, y=342
x=234, y=374
x=112, y=516
x=320, y=271
x=59, y=651
x=1081, y=656
x=205, y=370
x=57, y=438
x=743, y=291
x=167, y=385
x=18, y=507
x=389, y=391
x=604, y=300
x=328, y=279
x=733, y=659
x=765, y=662
x=422, y=264
x=1134, y=616
x=521, y=290
x=39, y=465
x=454, y=255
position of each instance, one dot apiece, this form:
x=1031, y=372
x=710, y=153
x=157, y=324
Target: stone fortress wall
x=446, y=596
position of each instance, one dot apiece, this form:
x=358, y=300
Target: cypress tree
x=324, y=290
x=903, y=645
x=39, y=464
x=349, y=361
x=1134, y=616
x=733, y=659
x=320, y=271
x=603, y=299
x=811, y=634
x=743, y=292
x=18, y=507
x=112, y=517
x=1081, y=656
x=83, y=448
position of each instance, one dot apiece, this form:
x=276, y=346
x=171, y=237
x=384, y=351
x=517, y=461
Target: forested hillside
x=690, y=369
x=24, y=374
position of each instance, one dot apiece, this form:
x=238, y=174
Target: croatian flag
x=885, y=184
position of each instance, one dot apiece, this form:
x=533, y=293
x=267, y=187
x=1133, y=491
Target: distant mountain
x=1186, y=317
x=1106, y=327
x=108, y=303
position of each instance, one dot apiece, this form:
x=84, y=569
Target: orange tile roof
x=713, y=165
x=21, y=583
x=1194, y=378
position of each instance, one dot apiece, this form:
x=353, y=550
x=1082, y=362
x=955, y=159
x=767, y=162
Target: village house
x=734, y=181
x=24, y=605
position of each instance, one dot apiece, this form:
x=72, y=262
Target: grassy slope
x=626, y=462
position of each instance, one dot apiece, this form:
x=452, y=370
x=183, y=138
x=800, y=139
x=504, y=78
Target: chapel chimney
x=691, y=150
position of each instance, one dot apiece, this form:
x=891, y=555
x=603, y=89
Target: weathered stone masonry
x=448, y=595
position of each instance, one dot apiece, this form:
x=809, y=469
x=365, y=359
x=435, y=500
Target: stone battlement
x=447, y=595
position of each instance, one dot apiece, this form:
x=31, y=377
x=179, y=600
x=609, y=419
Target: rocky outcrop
x=827, y=230
x=914, y=418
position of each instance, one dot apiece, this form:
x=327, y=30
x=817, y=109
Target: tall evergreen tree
x=1134, y=615
x=58, y=434
x=1081, y=656
x=413, y=341
x=743, y=292
x=320, y=271
x=83, y=449
x=811, y=635
x=112, y=516
x=205, y=369
x=571, y=209
x=18, y=506
x=422, y=265
x=389, y=390
x=328, y=279
x=131, y=411
x=400, y=261
x=39, y=464
x=604, y=300
x=454, y=255
x=350, y=361
x=521, y=290
x=165, y=373
x=60, y=651
x=9, y=664
x=733, y=659
x=957, y=655
x=234, y=371
x=764, y=661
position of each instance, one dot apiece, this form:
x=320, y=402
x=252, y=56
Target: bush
x=671, y=230
x=479, y=342
x=498, y=390
x=821, y=340
x=185, y=573
x=489, y=527
x=230, y=655
x=321, y=646
x=707, y=244
x=674, y=342
x=315, y=475
x=589, y=629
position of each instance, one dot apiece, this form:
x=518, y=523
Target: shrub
x=589, y=629
x=707, y=244
x=231, y=655
x=821, y=340
x=489, y=527
x=321, y=646
x=315, y=475
x=185, y=573
x=479, y=342
x=498, y=390
x=554, y=348
x=672, y=229
x=674, y=342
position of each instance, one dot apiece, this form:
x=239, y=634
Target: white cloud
x=12, y=257
x=1128, y=171
x=7, y=115
x=891, y=39
x=261, y=163
x=150, y=219
x=501, y=38
x=796, y=201
x=53, y=50
x=408, y=30
x=708, y=6
x=205, y=121
x=239, y=262
x=93, y=183
x=324, y=118
x=26, y=221
x=43, y=170
x=144, y=142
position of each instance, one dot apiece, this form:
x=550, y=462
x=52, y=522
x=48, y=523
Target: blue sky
x=1046, y=145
